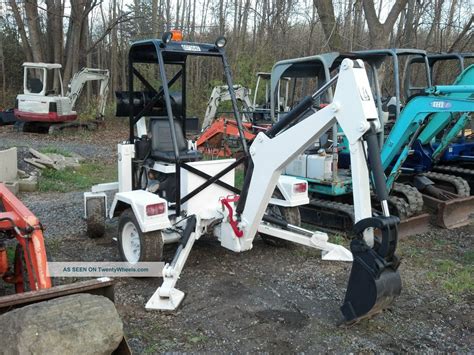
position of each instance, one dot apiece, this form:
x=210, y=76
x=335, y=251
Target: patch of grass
x=453, y=277
x=197, y=338
x=78, y=179
x=468, y=257
x=337, y=239
x=54, y=150
x=151, y=349
x=239, y=178
x=416, y=253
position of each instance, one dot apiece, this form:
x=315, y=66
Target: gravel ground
x=268, y=299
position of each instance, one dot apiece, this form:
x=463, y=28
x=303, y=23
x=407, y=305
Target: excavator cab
x=42, y=79
x=45, y=107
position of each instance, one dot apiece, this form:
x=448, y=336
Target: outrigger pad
x=374, y=282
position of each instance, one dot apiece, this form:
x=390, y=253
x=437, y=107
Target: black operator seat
x=35, y=85
x=162, y=143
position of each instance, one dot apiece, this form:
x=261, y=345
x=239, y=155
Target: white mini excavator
x=44, y=103
x=167, y=194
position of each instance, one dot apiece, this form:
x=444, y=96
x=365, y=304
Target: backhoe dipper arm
x=221, y=93
x=88, y=74
x=354, y=110
x=374, y=281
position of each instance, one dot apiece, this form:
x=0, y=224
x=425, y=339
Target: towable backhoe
x=44, y=106
x=168, y=195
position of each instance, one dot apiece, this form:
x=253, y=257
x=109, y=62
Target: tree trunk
x=154, y=17
x=2, y=68
x=34, y=29
x=21, y=29
x=434, y=25
x=379, y=33
x=328, y=22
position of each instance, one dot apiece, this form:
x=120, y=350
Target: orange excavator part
x=213, y=140
x=26, y=228
x=3, y=261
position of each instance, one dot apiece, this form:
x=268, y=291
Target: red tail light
x=300, y=187
x=155, y=209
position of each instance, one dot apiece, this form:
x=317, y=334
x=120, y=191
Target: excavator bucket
x=374, y=282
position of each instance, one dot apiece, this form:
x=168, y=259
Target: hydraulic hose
x=295, y=113
x=299, y=109
x=375, y=162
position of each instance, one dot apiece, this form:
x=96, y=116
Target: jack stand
x=167, y=297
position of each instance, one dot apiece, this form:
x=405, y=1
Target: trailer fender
x=150, y=210
x=293, y=190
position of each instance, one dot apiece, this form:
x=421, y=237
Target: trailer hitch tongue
x=374, y=282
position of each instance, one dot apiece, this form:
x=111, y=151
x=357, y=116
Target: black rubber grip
x=294, y=114
x=373, y=150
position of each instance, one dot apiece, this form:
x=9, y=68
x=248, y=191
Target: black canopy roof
x=146, y=51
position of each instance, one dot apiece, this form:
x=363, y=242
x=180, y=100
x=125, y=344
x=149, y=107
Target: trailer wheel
x=95, y=218
x=136, y=246
x=289, y=214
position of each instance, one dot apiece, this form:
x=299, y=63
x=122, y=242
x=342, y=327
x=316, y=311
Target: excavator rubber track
x=465, y=173
x=455, y=209
x=338, y=216
x=411, y=195
x=328, y=214
x=452, y=183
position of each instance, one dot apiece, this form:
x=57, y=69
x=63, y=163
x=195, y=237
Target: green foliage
x=13, y=57
x=199, y=338
x=54, y=150
x=337, y=239
x=79, y=179
x=11, y=253
x=239, y=178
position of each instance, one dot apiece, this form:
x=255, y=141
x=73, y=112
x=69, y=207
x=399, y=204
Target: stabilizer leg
x=167, y=297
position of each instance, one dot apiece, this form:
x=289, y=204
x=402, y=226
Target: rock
x=40, y=156
x=29, y=184
x=12, y=186
x=34, y=163
x=75, y=324
x=9, y=164
x=22, y=174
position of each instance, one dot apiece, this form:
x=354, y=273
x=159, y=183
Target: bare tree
x=2, y=68
x=328, y=21
x=379, y=33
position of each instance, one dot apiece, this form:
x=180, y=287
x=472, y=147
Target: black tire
x=95, y=218
x=151, y=243
x=289, y=214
